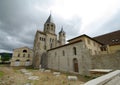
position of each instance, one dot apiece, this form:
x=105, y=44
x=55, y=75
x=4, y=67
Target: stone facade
x=44, y=40
x=70, y=58
x=81, y=54
x=22, y=57
x=106, y=61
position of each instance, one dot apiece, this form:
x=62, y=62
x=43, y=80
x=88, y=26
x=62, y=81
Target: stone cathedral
x=46, y=39
x=79, y=55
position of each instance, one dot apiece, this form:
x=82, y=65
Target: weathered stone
x=23, y=70
x=47, y=71
x=72, y=78
x=56, y=73
x=33, y=78
x=28, y=73
x=42, y=70
x=28, y=84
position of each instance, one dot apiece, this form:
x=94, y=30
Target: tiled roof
x=84, y=35
x=112, y=38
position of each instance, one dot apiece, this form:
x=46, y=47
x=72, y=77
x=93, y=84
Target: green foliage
x=5, y=57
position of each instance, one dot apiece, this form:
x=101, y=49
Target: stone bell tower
x=49, y=26
x=62, y=37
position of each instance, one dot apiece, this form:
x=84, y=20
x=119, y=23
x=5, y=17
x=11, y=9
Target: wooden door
x=75, y=64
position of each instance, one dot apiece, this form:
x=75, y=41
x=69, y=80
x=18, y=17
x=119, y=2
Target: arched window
x=47, y=24
x=51, y=25
x=24, y=51
x=17, y=60
x=28, y=60
x=74, y=51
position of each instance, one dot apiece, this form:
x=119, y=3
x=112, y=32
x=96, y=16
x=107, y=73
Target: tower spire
x=49, y=20
x=62, y=30
x=49, y=26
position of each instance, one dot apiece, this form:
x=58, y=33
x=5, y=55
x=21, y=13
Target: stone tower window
x=74, y=51
x=47, y=24
x=52, y=25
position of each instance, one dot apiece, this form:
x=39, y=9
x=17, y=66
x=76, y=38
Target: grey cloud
x=15, y=17
x=71, y=27
x=19, y=21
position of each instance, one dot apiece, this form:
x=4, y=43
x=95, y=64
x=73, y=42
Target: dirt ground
x=14, y=76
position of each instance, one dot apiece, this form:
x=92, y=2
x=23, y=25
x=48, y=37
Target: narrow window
x=18, y=55
x=55, y=53
x=51, y=45
x=23, y=55
x=103, y=48
x=63, y=53
x=28, y=55
x=40, y=38
x=74, y=51
x=88, y=41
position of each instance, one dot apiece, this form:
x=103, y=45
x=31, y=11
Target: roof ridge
x=106, y=33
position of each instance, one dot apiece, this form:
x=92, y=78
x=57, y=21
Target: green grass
x=1, y=74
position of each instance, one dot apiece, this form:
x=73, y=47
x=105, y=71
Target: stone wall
x=106, y=61
x=112, y=78
x=58, y=61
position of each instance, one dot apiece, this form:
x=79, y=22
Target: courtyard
x=28, y=76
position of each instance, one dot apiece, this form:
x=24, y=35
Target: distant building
x=22, y=57
x=111, y=42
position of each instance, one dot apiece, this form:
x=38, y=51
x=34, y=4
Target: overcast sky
x=20, y=19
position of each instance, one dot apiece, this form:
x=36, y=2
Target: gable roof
x=38, y=31
x=23, y=47
x=112, y=38
x=84, y=35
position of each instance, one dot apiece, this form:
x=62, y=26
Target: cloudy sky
x=20, y=19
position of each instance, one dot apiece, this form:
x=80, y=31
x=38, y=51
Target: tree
x=5, y=57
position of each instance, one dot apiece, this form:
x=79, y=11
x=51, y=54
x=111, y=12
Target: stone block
x=47, y=71
x=72, y=78
x=56, y=73
x=33, y=78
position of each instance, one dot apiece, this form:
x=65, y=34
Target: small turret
x=62, y=37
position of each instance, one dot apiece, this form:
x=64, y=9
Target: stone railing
x=108, y=79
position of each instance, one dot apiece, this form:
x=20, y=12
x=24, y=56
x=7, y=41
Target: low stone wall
x=106, y=61
x=108, y=79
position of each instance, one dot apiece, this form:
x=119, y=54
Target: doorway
x=17, y=63
x=75, y=65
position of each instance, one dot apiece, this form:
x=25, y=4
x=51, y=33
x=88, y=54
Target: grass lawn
x=1, y=74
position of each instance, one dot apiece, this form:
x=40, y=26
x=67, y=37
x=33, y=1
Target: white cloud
x=89, y=10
